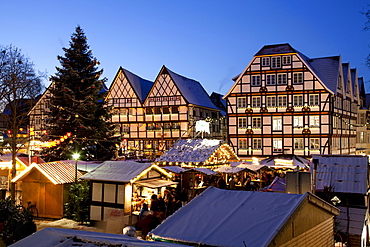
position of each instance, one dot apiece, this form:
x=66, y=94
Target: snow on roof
x=191, y=90
x=233, y=217
x=174, y=169
x=191, y=150
x=56, y=172
x=83, y=165
x=118, y=171
x=68, y=237
x=229, y=169
x=140, y=85
x=201, y=170
x=346, y=173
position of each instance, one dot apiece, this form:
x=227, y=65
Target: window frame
x=257, y=143
x=276, y=62
x=270, y=79
x=242, y=122
x=271, y=101
x=282, y=79
x=265, y=61
x=297, y=77
x=277, y=123
x=255, y=80
x=298, y=121
x=256, y=101
x=314, y=121
x=314, y=99
x=298, y=100
x=240, y=103
x=277, y=145
x=256, y=122
x=298, y=143
x=284, y=99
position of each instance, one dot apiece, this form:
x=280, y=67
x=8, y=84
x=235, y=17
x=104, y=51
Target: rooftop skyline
x=208, y=41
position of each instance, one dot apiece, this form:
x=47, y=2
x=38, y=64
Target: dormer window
x=276, y=62
x=266, y=61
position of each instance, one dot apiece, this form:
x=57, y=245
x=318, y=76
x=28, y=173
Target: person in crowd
x=233, y=183
x=143, y=211
x=161, y=204
x=183, y=197
x=248, y=185
x=154, y=203
x=168, y=202
x=221, y=183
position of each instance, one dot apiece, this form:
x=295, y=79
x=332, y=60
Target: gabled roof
x=194, y=150
x=345, y=173
x=190, y=89
x=327, y=69
x=56, y=172
x=120, y=171
x=278, y=49
x=234, y=218
x=140, y=85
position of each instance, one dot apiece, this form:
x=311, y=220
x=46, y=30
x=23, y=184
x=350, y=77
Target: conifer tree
x=78, y=105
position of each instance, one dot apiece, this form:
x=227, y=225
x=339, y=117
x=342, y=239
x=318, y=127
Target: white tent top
x=68, y=238
x=118, y=171
x=346, y=173
x=229, y=169
x=234, y=218
x=201, y=170
x=286, y=161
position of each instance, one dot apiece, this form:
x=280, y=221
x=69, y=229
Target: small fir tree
x=78, y=105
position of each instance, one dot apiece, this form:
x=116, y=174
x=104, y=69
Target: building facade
x=285, y=102
x=152, y=116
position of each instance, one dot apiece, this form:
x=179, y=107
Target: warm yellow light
x=76, y=156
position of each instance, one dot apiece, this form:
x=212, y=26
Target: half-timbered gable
x=127, y=94
x=39, y=113
x=286, y=102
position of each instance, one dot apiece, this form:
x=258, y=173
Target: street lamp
x=75, y=157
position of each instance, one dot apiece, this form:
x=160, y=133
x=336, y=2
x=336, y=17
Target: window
x=175, y=126
x=242, y=122
x=297, y=100
x=242, y=144
x=131, y=111
x=287, y=60
x=166, y=126
x=270, y=80
x=282, y=79
x=314, y=121
x=157, y=110
x=277, y=123
x=175, y=109
x=275, y=62
x=148, y=110
x=125, y=128
x=278, y=145
x=297, y=78
x=271, y=101
x=298, y=121
x=315, y=143
x=123, y=111
x=256, y=101
x=298, y=143
x=256, y=122
x=166, y=110
x=314, y=99
x=265, y=61
x=242, y=102
x=256, y=80
x=257, y=143
x=282, y=100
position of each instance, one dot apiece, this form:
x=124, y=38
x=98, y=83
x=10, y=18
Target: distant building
x=285, y=102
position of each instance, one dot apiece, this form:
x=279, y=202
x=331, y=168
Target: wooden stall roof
x=56, y=172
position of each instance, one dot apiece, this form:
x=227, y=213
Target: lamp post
x=75, y=157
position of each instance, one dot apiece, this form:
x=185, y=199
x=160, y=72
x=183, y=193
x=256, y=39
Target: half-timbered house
x=151, y=116
x=285, y=102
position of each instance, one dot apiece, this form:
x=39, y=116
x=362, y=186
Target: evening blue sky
x=210, y=41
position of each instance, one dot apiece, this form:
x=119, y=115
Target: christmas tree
x=77, y=108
